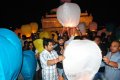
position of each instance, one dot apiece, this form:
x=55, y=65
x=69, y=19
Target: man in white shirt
x=49, y=59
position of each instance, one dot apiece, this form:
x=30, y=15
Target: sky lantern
x=93, y=26
x=26, y=30
x=45, y=34
x=82, y=60
x=34, y=27
x=68, y=14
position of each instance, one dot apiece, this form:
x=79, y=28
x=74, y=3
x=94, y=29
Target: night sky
x=18, y=12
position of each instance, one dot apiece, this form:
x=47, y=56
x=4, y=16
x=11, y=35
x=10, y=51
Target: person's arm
x=55, y=61
x=61, y=58
x=52, y=62
x=110, y=63
x=113, y=64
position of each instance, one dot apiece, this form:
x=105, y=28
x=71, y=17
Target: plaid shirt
x=48, y=72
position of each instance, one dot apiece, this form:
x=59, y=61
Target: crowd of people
x=49, y=61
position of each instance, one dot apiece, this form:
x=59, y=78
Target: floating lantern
x=68, y=14
x=26, y=30
x=34, y=27
x=45, y=34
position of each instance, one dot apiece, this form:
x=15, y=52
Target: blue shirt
x=112, y=73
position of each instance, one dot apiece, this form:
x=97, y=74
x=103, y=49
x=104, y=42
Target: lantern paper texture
x=82, y=58
x=26, y=30
x=10, y=55
x=12, y=37
x=29, y=65
x=34, y=27
x=38, y=43
x=68, y=14
x=45, y=34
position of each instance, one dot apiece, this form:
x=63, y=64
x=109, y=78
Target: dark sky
x=18, y=12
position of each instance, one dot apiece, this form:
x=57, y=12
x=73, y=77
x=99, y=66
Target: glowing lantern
x=26, y=30
x=68, y=14
x=93, y=26
x=34, y=27
x=82, y=28
x=45, y=35
x=82, y=60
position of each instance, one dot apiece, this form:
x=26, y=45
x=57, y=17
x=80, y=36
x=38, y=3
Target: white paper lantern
x=82, y=60
x=68, y=14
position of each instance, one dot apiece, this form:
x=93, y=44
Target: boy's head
x=115, y=46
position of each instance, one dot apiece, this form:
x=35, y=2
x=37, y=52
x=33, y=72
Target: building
x=50, y=22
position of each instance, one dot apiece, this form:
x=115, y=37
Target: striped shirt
x=48, y=72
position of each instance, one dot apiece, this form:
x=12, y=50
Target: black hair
x=104, y=27
x=60, y=38
x=26, y=42
x=103, y=34
x=77, y=38
x=85, y=36
x=25, y=47
x=23, y=37
x=46, y=42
